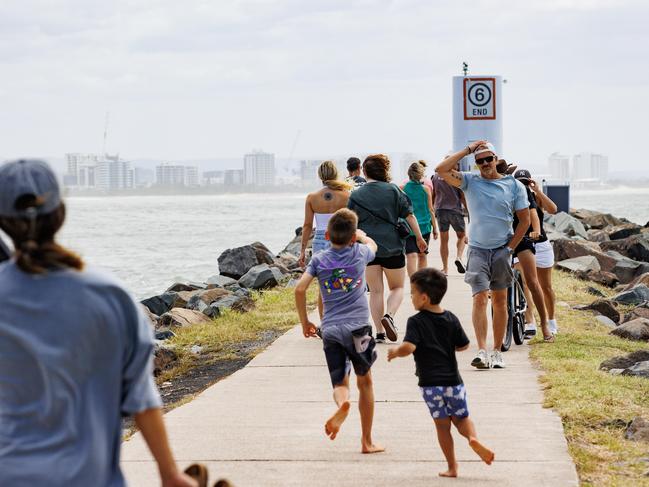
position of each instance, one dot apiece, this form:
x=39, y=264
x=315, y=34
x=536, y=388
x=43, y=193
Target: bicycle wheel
x=507, y=341
x=519, y=307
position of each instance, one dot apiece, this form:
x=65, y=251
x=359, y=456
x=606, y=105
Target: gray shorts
x=450, y=218
x=488, y=269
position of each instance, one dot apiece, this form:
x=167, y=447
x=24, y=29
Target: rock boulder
x=603, y=307
x=625, y=361
x=236, y=262
x=295, y=245
x=164, y=357
x=640, y=369
x=202, y=299
x=604, y=278
x=597, y=235
x=641, y=279
x=636, y=295
x=638, y=430
x=568, y=225
x=183, y=317
x=219, y=281
x=185, y=286
x=622, y=231
x=640, y=311
x=158, y=305
x=261, y=276
x=635, y=247
x=637, y=330
x=584, y=264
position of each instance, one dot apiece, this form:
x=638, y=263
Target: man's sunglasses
x=484, y=160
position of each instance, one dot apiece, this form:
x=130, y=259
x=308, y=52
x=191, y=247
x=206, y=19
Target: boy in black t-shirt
x=434, y=335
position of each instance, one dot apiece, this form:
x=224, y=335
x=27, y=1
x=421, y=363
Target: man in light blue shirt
x=492, y=200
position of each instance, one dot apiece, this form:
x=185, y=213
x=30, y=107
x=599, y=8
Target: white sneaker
x=552, y=324
x=481, y=361
x=496, y=359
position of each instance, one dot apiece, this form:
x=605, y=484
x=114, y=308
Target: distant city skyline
x=194, y=80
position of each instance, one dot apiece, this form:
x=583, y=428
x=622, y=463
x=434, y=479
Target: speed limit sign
x=479, y=98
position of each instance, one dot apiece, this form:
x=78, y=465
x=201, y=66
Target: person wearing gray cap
x=75, y=352
x=493, y=199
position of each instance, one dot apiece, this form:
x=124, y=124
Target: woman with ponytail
x=76, y=352
x=319, y=207
x=422, y=204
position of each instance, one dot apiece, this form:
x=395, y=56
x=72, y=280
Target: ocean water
x=151, y=241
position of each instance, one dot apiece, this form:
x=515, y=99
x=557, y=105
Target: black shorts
x=346, y=346
x=392, y=262
x=526, y=244
x=411, y=244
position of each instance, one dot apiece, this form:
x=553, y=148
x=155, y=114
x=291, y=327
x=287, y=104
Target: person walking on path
x=448, y=201
x=380, y=205
x=544, y=255
x=433, y=336
x=346, y=334
x=492, y=200
x=524, y=258
x=422, y=205
x=76, y=352
x=318, y=208
x=354, y=170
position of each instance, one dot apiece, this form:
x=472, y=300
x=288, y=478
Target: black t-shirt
x=539, y=212
x=436, y=336
x=532, y=200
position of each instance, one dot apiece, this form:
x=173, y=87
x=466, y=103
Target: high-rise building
x=113, y=173
x=233, y=177
x=587, y=165
x=559, y=167
x=143, y=177
x=75, y=160
x=177, y=175
x=259, y=169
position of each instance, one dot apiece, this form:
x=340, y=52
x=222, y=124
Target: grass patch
x=223, y=338
x=594, y=405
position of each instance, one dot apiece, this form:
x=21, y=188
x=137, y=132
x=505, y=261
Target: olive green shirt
x=387, y=202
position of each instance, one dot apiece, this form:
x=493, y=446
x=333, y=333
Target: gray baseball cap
x=28, y=177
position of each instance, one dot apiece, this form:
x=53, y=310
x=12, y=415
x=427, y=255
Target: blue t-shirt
x=75, y=355
x=341, y=275
x=492, y=203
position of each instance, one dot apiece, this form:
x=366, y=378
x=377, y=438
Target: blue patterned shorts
x=446, y=401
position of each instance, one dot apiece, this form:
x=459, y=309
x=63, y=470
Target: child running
x=434, y=335
x=346, y=334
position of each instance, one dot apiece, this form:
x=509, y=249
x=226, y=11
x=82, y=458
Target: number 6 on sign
x=479, y=99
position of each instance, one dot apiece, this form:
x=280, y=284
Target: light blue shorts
x=446, y=401
x=320, y=243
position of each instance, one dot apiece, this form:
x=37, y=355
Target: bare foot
x=451, y=472
x=483, y=452
x=372, y=448
x=333, y=424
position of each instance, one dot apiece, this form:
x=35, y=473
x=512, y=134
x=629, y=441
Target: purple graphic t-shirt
x=341, y=274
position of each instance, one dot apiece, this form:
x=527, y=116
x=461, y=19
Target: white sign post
x=477, y=113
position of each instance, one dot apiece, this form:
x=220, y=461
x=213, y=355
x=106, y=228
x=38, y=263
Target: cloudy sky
x=217, y=78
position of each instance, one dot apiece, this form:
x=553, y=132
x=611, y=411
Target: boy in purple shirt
x=346, y=333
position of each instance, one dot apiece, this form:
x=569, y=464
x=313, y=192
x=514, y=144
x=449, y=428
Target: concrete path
x=264, y=425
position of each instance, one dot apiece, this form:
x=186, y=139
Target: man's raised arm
x=446, y=168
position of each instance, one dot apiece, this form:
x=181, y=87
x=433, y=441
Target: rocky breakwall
x=243, y=269
x=613, y=252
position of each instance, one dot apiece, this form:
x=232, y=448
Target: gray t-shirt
x=447, y=197
x=389, y=203
x=341, y=275
x=75, y=355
